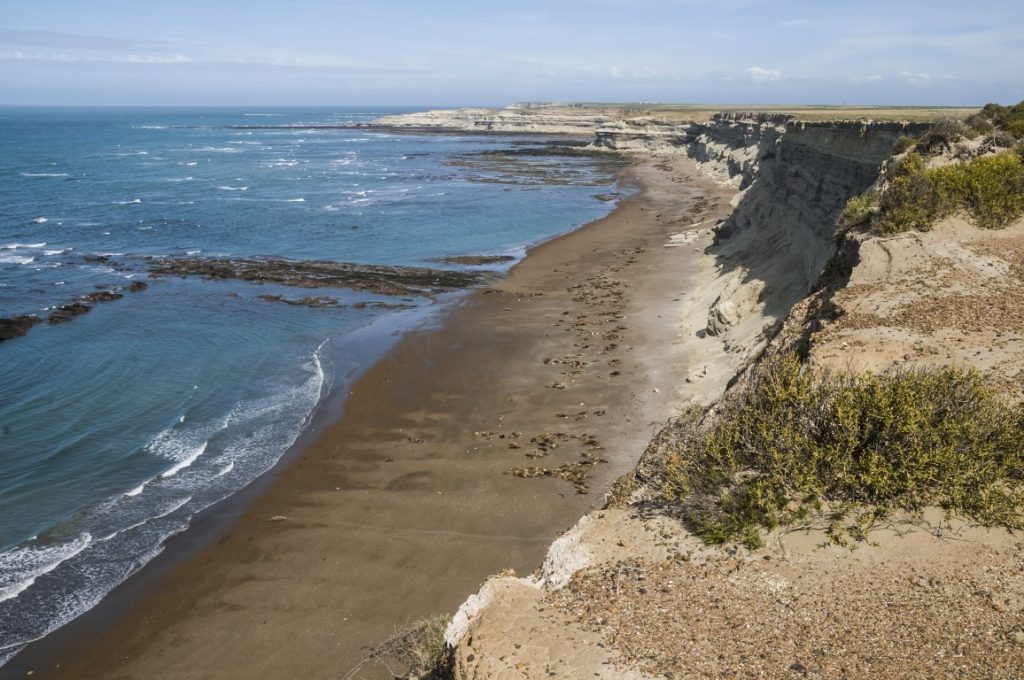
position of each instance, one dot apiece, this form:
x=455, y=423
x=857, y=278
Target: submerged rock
x=321, y=301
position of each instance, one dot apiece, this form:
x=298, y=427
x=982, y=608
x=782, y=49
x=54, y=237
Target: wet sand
x=404, y=505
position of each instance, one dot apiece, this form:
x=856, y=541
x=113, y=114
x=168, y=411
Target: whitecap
x=295, y=200
x=227, y=188
x=136, y=491
x=17, y=259
x=54, y=252
x=44, y=174
x=185, y=462
x=15, y=246
x=20, y=567
x=40, y=220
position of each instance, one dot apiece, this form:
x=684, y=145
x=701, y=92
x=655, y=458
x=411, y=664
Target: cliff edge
x=810, y=294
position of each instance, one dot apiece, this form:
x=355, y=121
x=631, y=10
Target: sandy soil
x=947, y=297
x=464, y=451
x=924, y=600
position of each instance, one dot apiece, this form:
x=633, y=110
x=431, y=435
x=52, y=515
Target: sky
x=492, y=53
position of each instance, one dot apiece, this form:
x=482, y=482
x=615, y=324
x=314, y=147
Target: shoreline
x=392, y=501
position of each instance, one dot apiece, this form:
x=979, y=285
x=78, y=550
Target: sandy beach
x=464, y=451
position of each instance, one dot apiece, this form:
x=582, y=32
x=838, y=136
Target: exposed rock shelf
x=385, y=280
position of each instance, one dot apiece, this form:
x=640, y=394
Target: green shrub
x=797, y=443
x=859, y=209
x=990, y=189
x=994, y=117
x=902, y=144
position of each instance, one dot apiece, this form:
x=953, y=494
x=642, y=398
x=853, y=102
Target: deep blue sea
x=118, y=427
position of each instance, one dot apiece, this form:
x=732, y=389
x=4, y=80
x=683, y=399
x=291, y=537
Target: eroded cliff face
x=794, y=176
x=793, y=180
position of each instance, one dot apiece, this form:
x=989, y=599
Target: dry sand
x=564, y=370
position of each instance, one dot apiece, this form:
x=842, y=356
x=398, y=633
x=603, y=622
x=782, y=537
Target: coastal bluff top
x=586, y=119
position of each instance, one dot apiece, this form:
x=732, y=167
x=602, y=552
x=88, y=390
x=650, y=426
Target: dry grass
x=417, y=650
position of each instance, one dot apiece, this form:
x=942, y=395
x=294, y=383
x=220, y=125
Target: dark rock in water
x=16, y=326
x=323, y=274
x=136, y=286
x=321, y=301
x=101, y=296
x=475, y=259
x=65, y=312
x=382, y=305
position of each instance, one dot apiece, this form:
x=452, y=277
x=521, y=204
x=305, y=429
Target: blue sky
x=398, y=52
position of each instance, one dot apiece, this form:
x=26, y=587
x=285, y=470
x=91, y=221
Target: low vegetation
x=983, y=180
x=859, y=209
x=798, y=445
x=993, y=117
x=989, y=189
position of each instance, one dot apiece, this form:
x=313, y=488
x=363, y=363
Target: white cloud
x=918, y=79
x=615, y=72
x=761, y=73
x=94, y=58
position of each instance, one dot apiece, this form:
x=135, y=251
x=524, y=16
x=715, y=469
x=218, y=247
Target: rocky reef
x=16, y=326
x=380, y=279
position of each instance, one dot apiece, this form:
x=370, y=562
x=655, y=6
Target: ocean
x=120, y=425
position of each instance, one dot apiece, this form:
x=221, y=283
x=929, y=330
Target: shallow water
x=118, y=427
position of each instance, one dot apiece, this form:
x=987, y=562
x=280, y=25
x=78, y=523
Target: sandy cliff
x=628, y=593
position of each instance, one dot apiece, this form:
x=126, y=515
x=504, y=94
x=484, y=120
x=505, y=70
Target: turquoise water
x=118, y=427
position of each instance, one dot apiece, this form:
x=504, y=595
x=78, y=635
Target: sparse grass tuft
x=797, y=444
x=417, y=650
